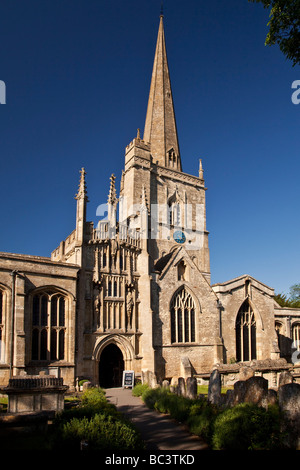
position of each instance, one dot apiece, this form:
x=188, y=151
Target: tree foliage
x=293, y=300
x=284, y=26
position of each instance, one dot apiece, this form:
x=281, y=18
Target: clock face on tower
x=179, y=237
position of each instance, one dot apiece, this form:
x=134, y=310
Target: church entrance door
x=111, y=366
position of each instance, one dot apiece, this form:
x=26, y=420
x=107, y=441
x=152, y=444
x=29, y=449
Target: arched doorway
x=111, y=366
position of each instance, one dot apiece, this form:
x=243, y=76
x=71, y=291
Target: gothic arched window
x=174, y=214
x=182, y=317
x=48, y=327
x=245, y=330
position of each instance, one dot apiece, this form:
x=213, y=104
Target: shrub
x=93, y=396
x=201, y=419
x=166, y=402
x=179, y=407
x=202, y=424
x=139, y=389
x=150, y=396
x=242, y=427
x=101, y=432
x=247, y=427
x=96, y=422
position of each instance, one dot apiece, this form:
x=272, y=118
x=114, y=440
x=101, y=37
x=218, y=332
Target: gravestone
x=214, y=388
x=86, y=385
x=181, y=386
x=253, y=390
x=289, y=402
x=165, y=384
x=191, y=387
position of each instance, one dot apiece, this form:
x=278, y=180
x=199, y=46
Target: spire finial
x=200, y=169
x=82, y=191
x=162, y=10
x=112, y=196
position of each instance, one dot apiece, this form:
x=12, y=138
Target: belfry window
x=48, y=327
x=245, y=331
x=182, y=317
x=174, y=214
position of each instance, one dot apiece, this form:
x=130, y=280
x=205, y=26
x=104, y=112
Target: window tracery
x=182, y=317
x=48, y=326
x=245, y=328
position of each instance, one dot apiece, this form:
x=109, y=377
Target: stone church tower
x=144, y=299
x=134, y=292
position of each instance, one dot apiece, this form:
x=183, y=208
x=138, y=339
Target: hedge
x=242, y=427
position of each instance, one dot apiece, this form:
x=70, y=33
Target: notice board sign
x=128, y=379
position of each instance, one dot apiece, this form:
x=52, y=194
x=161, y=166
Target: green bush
x=139, y=389
x=242, y=427
x=96, y=422
x=166, y=402
x=201, y=419
x=93, y=396
x=247, y=427
x=202, y=424
x=150, y=396
x=101, y=432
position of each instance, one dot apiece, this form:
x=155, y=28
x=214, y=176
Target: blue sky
x=77, y=75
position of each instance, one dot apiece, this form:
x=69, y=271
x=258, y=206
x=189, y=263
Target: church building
x=134, y=292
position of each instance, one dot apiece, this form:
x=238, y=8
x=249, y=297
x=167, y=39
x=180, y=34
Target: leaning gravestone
x=191, y=387
x=289, y=403
x=214, y=388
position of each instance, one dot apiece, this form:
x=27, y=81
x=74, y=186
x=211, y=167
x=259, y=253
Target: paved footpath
x=158, y=431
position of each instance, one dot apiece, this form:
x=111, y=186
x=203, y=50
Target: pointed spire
x=200, y=169
x=160, y=125
x=82, y=191
x=112, y=207
x=112, y=195
x=82, y=200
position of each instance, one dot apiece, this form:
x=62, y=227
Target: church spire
x=82, y=200
x=160, y=125
x=82, y=192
